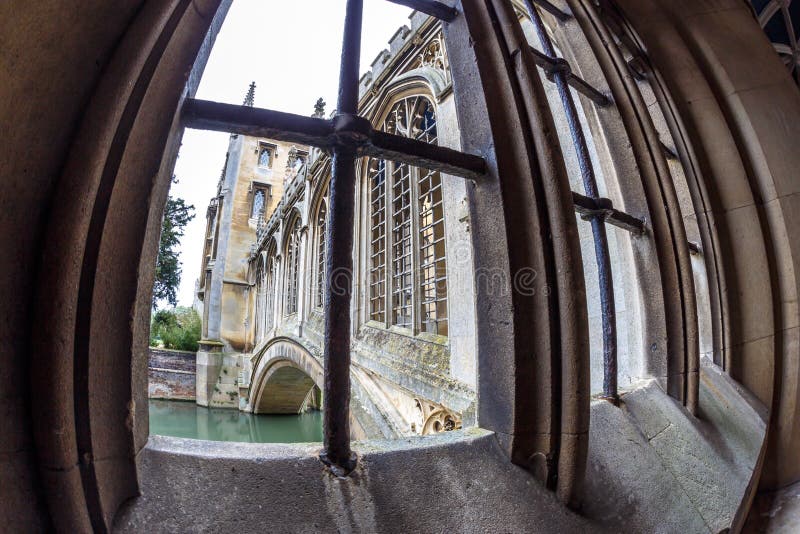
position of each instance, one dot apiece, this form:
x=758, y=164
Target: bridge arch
x=284, y=373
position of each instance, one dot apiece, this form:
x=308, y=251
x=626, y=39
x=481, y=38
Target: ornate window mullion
x=416, y=284
x=388, y=243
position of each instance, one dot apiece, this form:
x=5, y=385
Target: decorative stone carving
x=435, y=418
x=432, y=55
x=319, y=109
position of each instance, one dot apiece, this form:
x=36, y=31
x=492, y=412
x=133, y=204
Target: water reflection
x=188, y=420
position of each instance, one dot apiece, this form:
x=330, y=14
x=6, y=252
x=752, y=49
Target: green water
x=188, y=420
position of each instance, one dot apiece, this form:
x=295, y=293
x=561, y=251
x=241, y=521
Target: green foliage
x=177, y=329
x=177, y=215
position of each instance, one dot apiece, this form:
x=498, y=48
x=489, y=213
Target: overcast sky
x=290, y=48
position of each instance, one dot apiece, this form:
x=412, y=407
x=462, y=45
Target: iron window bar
x=603, y=208
x=596, y=216
x=560, y=15
x=552, y=65
x=344, y=130
x=430, y=7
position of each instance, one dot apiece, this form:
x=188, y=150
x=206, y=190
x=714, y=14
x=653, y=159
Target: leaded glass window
x=292, y=267
x=411, y=229
x=322, y=218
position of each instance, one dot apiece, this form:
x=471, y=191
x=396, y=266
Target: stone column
x=302, y=279
x=277, y=292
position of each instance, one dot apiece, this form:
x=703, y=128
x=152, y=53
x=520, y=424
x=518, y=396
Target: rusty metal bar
x=602, y=257
x=256, y=122
x=602, y=207
x=346, y=130
x=421, y=154
x=339, y=270
x=430, y=7
x=551, y=65
x=550, y=8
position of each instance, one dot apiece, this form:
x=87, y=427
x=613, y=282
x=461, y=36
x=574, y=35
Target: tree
x=177, y=215
x=177, y=329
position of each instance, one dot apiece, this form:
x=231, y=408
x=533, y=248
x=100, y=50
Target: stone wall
x=171, y=374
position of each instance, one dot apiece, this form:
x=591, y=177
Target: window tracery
x=259, y=202
x=260, y=308
x=322, y=218
x=264, y=156
x=292, y=267
x=433, y=55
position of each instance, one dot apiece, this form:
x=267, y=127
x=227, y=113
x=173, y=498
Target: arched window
x=407, y=266
x=260, y=309
x=377, y=272
x=322, y=219
x=264, y=156
x=292, y=267
x=269, y=291
x=259, y=197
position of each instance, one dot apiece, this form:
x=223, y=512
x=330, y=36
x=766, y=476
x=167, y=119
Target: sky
x=291, y=49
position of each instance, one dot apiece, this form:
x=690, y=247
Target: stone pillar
x=302, y=280
x=209, y=364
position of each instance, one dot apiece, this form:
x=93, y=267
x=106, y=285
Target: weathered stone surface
x=776, y=512
x=655, y=468
x=457, y=482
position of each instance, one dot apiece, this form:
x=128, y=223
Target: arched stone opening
x=284, y=377
x=285, y=390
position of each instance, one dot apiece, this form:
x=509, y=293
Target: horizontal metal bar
x=589, y=207
x=256, y=122
x=348, y=131
x=553, y=10
x=552, y=65
x=430, y=7
x=421, y=154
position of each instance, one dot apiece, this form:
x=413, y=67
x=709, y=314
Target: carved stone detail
x=435, y=418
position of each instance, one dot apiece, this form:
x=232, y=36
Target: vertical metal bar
x=598, y=224
x=550, y=8
x=339, y=272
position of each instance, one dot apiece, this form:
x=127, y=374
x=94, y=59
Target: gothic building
x=413, y=309
x=567, y=226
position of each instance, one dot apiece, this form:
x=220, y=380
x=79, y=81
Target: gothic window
x=292, y=267
x=269, y=292
x=410, y=229
x=260, y=315
x=322, y=217
x=377, y=269
x=264, y=156
x=259, y=203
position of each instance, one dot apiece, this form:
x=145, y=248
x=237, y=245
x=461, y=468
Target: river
x=188, y=420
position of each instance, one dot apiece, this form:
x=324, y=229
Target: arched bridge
x=284, y=375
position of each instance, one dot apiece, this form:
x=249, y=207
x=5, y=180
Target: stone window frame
x=255, y=188
x=273, y=153
x=292, y=248
x=320, y=250
x=385, y=276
